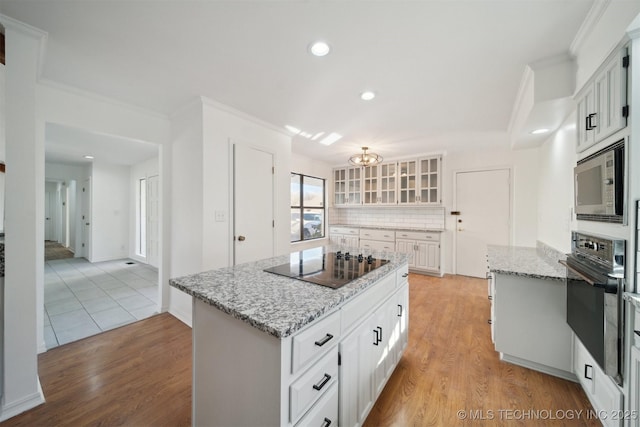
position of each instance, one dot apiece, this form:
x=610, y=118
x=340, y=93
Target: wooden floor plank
x=140, y=374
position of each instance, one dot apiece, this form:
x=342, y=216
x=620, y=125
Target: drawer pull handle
x=588, y=371
x=322, y=382
x=376, y=339
x=326, y=423
x=380, y=335
x=324, y=340
x=405, y=275
x=400, y=311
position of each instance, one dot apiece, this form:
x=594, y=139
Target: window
x=307, y=207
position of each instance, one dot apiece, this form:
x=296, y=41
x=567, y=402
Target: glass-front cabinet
x=347, y=186
x=379, y=184
x=405, y=182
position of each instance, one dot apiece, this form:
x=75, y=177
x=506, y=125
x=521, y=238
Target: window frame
x=301, y=207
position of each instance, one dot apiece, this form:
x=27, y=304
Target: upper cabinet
x=406, y=182
x=347, y=186
x=602, y=103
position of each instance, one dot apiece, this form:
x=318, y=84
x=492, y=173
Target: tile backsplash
x=420, y=217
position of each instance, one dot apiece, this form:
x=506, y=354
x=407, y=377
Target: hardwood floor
x=450, y=365
x=136, y=375
x=140, y=374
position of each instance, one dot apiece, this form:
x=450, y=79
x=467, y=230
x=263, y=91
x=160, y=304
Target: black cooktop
x=331, y=269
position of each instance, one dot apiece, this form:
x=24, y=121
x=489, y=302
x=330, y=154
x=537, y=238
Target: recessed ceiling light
x=539, y=131
x=367, y=95
x=89, y=157
x=319, y=48
x=330, y=139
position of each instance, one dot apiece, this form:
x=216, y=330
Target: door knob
x=241, y=238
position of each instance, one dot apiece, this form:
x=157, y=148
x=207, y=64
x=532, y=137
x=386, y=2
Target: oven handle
x=607, y=287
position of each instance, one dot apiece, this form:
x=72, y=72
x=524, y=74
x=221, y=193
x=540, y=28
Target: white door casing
x=483, y=199
x=153, y=220
x=253, y=203
x=85, y=217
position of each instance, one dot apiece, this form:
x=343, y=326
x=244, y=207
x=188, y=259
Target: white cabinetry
x=530, y=323
x=347, y=186
x=344, y=236
x=370, y=352
x=634, y=387
x=602, y=103
x=380, y=185
x=419, y=181
x=329, y=373
x=377, y=240
x=406, y=182
x=423, y=249
x=601, y=390
x=491, y=292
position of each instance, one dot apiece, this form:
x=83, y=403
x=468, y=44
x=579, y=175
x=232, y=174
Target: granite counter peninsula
x=269, y=350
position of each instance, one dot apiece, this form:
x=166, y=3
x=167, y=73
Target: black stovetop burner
x=331, y=269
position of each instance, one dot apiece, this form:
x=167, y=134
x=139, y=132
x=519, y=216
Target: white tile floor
x=83, y=299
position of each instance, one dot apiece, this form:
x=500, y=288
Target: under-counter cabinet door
x=349, y=380
x=407, y=247
x=400, y=333
x=634, y=387
x=427, y=256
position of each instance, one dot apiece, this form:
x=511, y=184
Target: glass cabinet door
x=408, y=181
x=429, y=183
x=354, y=185
x=339, y=186
x=370, y=185
x=388, y=188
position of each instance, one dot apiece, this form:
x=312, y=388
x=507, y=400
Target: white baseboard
x=539, y=367
x=185, y=318
x=12, y=409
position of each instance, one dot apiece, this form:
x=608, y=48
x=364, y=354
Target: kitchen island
x=272, y=350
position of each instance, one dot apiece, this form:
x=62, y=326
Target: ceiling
x=446, y=73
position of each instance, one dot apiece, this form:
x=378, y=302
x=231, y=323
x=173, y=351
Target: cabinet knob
x=489, y=321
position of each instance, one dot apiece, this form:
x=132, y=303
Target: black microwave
x=599, y=185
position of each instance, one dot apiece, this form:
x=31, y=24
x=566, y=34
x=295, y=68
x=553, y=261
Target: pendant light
x=365, y=158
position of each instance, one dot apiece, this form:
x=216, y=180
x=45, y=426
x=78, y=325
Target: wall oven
x=599, y=185
x=595, y=275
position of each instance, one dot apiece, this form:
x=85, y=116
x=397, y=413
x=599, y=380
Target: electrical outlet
x=220, y=216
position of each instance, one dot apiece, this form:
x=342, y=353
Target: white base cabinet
x=603, y=393
x=345, y=236
x=329, y=373
x=423, y=248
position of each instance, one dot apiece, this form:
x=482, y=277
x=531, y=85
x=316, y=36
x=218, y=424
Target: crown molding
x=101, y=98
x=527, y=77
x=590, y=21
x=241, y=114
x=29, y=31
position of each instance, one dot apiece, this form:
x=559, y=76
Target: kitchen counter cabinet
x=271, y=345
x=528, y=309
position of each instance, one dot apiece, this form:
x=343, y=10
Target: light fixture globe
x=365, y=158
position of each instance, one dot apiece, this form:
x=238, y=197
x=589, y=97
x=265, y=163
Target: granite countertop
x=375, y=227
x=275, y=304
x=539, y=263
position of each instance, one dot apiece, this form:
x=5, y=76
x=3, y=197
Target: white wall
x=24, y=234
x=109, y=212
x=555, y=187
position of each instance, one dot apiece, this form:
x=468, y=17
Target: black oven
x=595, y=272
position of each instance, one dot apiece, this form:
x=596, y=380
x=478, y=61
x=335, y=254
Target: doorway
x=483, y=201
x=253, y=205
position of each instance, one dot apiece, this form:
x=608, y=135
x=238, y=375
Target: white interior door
x=253, y=204
x=483, y=199
x=49, y=208
x=86, y=218
x=153, y=220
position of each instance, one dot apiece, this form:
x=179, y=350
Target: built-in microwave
x=599, y=185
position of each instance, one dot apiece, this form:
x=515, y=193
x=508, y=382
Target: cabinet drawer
x=325, y=412
x=381, y=235
x=418, y=235
x=344, y=230
x=376, y=245
x=402, y=275
x=311, y=343
x=363, y=304
x=313, y=384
